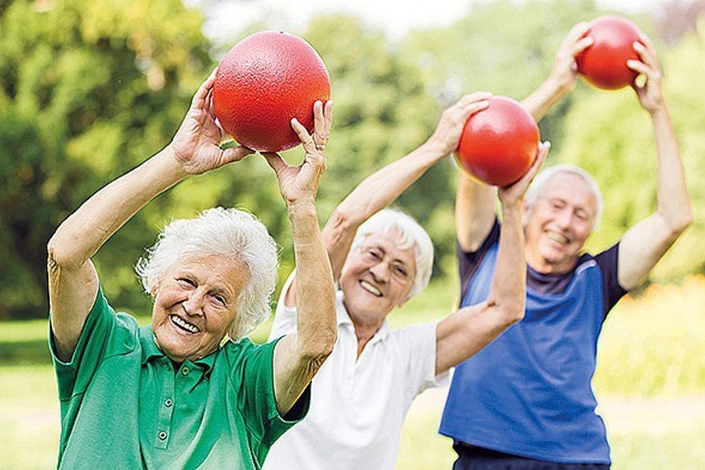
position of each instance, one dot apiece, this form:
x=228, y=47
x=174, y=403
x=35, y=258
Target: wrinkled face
x=559, y=224
x=194, y=305
x=377, y=277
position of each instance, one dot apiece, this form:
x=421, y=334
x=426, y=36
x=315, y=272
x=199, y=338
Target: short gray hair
x=411, y=235
x=220, y=231
x=538, y=186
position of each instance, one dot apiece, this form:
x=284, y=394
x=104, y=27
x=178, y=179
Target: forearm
x=508, y=290
x=541, y=100
x=315, y=293
x=474, y=212
x=672, y=192
x=373, y=194
x=383, y=187
x=89, y=227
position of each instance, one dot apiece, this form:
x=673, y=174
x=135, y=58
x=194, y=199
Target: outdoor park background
x=89, y=90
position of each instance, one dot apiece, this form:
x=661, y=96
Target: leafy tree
x=87, y=91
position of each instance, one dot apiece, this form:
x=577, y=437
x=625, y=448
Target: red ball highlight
x=604, y=64
x=263, y=82
x=498, y=144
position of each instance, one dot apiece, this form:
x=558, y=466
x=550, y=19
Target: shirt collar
x=344, y=319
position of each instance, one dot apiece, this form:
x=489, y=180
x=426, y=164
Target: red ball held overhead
x=263, y=82
x=498, y=144
x=604, y=63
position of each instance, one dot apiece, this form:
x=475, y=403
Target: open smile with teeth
x=184, y=325
x=558, y=238
x=370, y=288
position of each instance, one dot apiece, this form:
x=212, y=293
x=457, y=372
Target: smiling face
x=559, y=223
x=194, y=305
x=377, y=277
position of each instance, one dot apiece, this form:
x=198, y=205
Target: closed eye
x=186, y=281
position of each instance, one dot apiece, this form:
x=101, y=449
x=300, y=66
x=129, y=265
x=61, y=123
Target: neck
x=542, y=266
x=364, y=334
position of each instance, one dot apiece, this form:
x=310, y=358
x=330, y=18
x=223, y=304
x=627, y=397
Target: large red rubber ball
x=604, y=64
x=498, y=144
x=263, y=82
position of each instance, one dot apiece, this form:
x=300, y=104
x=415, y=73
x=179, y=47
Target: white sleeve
x=417, y=346
x=284, y=317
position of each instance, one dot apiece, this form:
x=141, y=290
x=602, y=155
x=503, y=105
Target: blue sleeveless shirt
x=529, y=392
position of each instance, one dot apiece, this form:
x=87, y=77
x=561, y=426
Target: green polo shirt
x=123, y=405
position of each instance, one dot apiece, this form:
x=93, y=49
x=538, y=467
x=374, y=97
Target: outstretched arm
x=474, y=202
x=563, y=75
x=383, y=187
x=73, y=281
x=298, y=356
x=463, y=333
x=647, y=241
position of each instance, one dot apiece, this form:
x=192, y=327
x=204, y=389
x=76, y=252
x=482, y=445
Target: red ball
x=263, y=82
x=498, y=144
x=604, y=64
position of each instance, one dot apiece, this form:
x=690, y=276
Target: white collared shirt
x=358, y=405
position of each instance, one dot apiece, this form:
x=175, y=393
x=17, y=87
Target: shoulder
x=240, y=353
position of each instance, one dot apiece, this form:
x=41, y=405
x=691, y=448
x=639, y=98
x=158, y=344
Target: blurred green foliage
x=88, y=90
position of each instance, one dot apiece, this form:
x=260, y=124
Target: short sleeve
x=257, y=401
x=416, y=346
x=608, y=261
x=74, y=376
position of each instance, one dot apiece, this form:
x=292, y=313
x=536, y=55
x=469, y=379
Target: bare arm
x=383, y=187
x=474, y=202
x=647, y=241
x=73, y=281
x=563, y=75
x=474, y=212
x=298, y=356
x=463, y=333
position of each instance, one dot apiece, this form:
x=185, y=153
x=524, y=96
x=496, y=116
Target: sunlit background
x=90, y=89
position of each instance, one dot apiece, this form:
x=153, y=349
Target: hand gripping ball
x=604, y=64
x=263, y=82
x=498, y=144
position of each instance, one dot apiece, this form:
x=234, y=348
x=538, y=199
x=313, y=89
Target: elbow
x=345, y=219
x=681, y=225
x=317, y=348
x=511, y=311
x=57, y=254
x=514, y=315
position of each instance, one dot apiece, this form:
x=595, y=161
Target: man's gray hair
x=226, y=232
x=411, y=234
x=538, y=186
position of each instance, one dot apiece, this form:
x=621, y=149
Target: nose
x=193, y=305
x=564, y=218
x=380, y=272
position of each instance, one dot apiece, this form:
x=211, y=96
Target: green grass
x=650, y=383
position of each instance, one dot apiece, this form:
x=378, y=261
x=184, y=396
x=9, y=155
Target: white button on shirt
x=358, y=405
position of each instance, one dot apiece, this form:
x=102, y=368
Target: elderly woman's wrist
x=301, y=207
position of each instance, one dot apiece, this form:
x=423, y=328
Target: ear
x=405, y=299
x=153, y=290
x=525, y=214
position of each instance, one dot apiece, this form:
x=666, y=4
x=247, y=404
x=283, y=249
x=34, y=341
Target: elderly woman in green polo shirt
x=176, y=393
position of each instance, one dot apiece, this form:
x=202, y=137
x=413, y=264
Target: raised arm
x=298, y=356
x=563, y=75
x=73, y=281
x=463, y=333
x=383, y=187
x=647, y=241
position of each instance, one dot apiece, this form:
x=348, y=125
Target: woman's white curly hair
x=227, y=232
x=411, y=234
